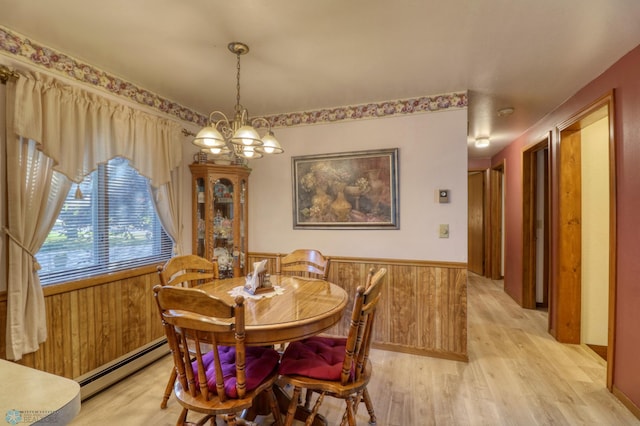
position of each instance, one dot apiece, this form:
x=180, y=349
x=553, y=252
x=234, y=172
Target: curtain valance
x=79, y=129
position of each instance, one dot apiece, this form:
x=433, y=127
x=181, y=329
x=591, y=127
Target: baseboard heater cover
x=103, y=377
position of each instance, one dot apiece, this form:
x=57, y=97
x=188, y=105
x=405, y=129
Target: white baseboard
x=108, y=374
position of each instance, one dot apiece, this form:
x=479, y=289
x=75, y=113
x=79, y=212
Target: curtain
x=57, y=134
x=167, y=205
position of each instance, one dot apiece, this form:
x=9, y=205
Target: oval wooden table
x=304, y=307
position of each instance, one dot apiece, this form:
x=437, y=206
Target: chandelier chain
x=238, y=82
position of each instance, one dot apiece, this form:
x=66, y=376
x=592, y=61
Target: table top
x=305, y=308
x=34, y=396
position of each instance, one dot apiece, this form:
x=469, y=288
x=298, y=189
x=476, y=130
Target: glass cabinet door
x=243, y=224
x=224, y=245
x=200, y=217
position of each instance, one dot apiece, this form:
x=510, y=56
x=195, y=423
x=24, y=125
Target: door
x=475, y=256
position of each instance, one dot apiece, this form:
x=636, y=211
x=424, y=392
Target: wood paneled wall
x=424, y=306
x=96, y=321
x=93, y=322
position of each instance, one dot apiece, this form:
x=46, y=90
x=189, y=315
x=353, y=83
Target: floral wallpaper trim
x=48, y=58
x=372, y=110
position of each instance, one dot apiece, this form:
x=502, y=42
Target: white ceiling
x=527, y=54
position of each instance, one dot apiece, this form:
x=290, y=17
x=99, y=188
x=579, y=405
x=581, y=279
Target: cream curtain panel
x=58, y=134
x=166, y=200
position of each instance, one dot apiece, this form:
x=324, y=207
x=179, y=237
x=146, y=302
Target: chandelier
x=237, y=137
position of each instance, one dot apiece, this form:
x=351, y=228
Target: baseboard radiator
x=103, y=377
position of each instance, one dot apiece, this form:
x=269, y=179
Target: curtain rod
x=6, y=74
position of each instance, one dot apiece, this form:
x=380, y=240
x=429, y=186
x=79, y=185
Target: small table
x=306, y=307
x=33, y=396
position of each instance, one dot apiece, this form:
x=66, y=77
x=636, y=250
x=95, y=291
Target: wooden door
x=475, y=256
x=569, y=240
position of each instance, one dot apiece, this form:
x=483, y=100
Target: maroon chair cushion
x=316, y=357
x=260, y=362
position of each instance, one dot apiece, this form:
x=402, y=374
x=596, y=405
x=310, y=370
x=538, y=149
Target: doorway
x=495, y=256
x=584, y=289
x=476, y=222
x=535, y=225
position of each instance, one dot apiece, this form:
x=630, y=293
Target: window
x=112, y=225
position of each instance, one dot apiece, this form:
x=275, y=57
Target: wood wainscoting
x=94, y=322
x=423, y=309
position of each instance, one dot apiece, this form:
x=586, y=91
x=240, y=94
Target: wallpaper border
x=46, y=57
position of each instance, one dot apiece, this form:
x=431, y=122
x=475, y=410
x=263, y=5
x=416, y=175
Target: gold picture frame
x=350, y=190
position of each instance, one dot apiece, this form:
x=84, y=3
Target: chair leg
x=231, y=419
x=211, y=419
x=275, y=409
x=293, y=404
x=169, y=388
x=307, y=399
x=182, y=419
x=369, y=404
x=316, y=406
x=351, y=418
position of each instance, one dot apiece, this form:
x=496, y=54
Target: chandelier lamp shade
x=237, y=137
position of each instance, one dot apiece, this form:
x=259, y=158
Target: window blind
x=106, y=224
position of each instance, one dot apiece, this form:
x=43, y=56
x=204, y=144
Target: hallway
x=517, y=374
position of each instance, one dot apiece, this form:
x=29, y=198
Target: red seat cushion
x=260, y=362
x=316, y=357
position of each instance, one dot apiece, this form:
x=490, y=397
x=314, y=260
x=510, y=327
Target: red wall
x=624, y=78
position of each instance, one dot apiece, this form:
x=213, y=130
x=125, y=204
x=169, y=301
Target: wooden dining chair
x=225, y=380
x=333, y=366
x=187, y=270
x=184, y=271
x=306, y=262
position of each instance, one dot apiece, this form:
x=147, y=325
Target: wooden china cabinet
x=220, y=215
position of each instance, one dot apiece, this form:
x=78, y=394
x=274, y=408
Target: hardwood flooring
x=517, y=374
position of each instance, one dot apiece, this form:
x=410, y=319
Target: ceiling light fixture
x=237, y=137
x=482, y=142
x=503, y=112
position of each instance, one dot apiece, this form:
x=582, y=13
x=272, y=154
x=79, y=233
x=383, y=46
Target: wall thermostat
x=444, y=195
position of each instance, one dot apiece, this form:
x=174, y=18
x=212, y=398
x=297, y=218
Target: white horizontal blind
x=112, y=227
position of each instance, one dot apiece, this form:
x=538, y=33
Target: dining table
x=291, y=308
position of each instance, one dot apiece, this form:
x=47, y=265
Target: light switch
x=444, y=230
x=443, y=195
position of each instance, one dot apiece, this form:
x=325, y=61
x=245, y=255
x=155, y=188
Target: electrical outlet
x=444, y=230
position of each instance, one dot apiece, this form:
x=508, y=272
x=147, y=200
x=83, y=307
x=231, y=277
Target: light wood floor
x=516, y=375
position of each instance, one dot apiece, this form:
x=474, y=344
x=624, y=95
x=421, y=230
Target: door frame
x=576, y=122
x=496, y=191
x=529, y=223
x=485, y=220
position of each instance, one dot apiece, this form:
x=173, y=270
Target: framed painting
x=351, y=190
